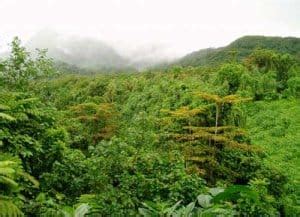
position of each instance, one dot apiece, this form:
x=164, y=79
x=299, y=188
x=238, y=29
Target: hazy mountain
x=93, y=54
x=243, y=47
x=79, y=54
x=84, y=53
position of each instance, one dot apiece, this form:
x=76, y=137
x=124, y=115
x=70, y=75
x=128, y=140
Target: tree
x=21, y=68
x=220, y=102
x=268, y=60
x=95, y=121
x=230, y=76
x=284, y=64
x=206, y=144
x=30, y=132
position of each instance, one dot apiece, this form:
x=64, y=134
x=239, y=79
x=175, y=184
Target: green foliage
x=20, y=67
x=281, y=64
x=81, y=211
x=216, y=150
x=46, y=206
x=90, y=123
x=7, y=175
x=8, y=209
x=11, y=172
x=294, y=87
x=279, y=136
x=159, y=209
x=230, y=76
x=31, y=132
x=202, y=207
x=67, y=172
x=107, y=145
x=138, y=176
x=236, y=200
x=259, y=85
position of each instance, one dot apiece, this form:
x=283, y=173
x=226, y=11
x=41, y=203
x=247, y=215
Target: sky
x=175, y=27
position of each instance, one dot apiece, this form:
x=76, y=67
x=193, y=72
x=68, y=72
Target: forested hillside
x=188, y=141
x=240, y=49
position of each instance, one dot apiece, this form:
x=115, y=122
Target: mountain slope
x=243, y=47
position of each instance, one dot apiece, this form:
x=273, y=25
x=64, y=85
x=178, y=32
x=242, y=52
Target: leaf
x=215, y=191
x=6, y=163
x=82, y=210
x=68, y=211
x=4, y=107
x=30, y=178
x=7, y=117
x=210, y=97
x=146, y=212
x=233, y=193
x=204, y=200
x=7, y=171
x=41, y=197
x=217, y=211
x=188, y=209
x=170, y=210
x=149, y=205
x=7, y=181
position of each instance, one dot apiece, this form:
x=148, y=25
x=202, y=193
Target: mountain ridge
x=243, y=46
x=83, y=55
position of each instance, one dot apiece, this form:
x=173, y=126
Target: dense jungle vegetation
x=184, y=141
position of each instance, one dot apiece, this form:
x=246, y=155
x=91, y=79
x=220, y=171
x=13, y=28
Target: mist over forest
x=89, y=53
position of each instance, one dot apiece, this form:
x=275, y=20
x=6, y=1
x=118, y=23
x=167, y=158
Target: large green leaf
x=204, y=200
x=233, y=193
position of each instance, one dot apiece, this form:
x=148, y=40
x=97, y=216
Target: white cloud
x=180, y=25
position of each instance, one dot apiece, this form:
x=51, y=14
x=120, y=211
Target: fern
x=4, y=107
x=9, y=209
x=7, y=174
x=6, y=117
x=10, y=171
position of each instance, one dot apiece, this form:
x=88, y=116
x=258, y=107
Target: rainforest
x=214, y=137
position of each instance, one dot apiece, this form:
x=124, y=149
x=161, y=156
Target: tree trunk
x=217, y=117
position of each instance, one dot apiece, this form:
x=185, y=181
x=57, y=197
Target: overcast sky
x=180, y=26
